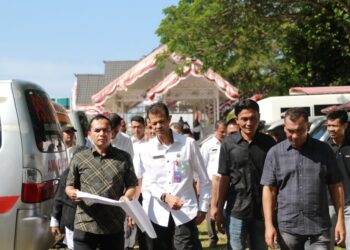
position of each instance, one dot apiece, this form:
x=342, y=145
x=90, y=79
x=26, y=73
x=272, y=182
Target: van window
x=318, y=108
x=283, y=110
x=46, y=131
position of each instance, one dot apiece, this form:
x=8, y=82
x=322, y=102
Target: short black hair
x=295, y=113
x=115, y=120
x=158, y=108
x=246, y=104
x=220, y=122
x=138, y=118
x=342, y=115
x=98, y=117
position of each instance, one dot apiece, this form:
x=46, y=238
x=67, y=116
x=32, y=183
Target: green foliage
x=263, y=46
x=318, y=46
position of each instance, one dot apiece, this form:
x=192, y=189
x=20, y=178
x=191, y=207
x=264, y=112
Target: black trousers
x=89, y=241
x=182, y=237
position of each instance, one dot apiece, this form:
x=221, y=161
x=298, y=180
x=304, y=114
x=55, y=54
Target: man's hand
x=213, y=212
x=220, y=221
x=124, y=198
x=55, y=231
x=200, y=217
x=173, y=202
x=340, y=233
x=131, y=222
x=72, y=193
x=271, y=236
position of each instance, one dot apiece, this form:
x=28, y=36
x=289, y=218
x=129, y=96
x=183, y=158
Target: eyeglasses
x=98, y=130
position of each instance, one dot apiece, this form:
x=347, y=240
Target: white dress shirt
x=169, y=169
x=210, y=151
x=123, y=142
x=137, y=144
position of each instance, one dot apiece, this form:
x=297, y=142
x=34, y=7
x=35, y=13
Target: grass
x=203, y=237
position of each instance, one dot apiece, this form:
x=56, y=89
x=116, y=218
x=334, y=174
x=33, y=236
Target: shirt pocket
x=240, y=162
x=180, y=170
x=287, y=167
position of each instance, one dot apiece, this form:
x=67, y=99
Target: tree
x=318, y=48
x=259, y=45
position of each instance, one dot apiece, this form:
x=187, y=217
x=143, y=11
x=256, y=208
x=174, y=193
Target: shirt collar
x=176, y=139
x=346, y=142
x=239, y=138
x=133, y=140
x=96, y=153
x=216, y=140
x=306, y=144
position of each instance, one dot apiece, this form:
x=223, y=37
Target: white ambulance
x=32, y=157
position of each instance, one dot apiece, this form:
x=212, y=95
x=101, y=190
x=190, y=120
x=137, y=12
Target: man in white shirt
x=166, y=165
x=138, y=132
x=210, y=151
x=138, y=139
x=119, y=139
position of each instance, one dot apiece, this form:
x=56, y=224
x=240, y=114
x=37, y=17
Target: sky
x=47, y=42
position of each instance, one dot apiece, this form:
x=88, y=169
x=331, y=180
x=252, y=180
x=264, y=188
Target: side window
x=284, y=109
x=45, y=125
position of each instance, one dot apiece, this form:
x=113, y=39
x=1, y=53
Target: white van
x=32, y=156
x=273, y=108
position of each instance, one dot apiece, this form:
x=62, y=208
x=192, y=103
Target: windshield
x=319, y=131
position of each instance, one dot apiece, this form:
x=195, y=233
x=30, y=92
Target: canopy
x=129, y=79
x=173, y=79
x=145, y=81
x=319, y=90
x=345, y=106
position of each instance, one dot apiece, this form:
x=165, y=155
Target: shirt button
x=169, y=182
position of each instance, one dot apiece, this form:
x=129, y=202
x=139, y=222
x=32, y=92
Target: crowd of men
x=292, y=195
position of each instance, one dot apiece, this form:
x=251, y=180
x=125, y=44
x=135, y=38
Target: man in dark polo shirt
x=297, y=172
x=106, y=171
x=241, y=161
x=337, y=123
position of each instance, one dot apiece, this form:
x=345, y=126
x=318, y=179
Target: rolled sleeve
x=268, y=177
x=73, y=174
x=138, y=166
x=224, y=161
x=333, y=172
x=204, y=182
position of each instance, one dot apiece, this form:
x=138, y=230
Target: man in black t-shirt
x=241, y=162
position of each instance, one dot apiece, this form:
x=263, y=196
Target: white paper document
x=131, y=208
